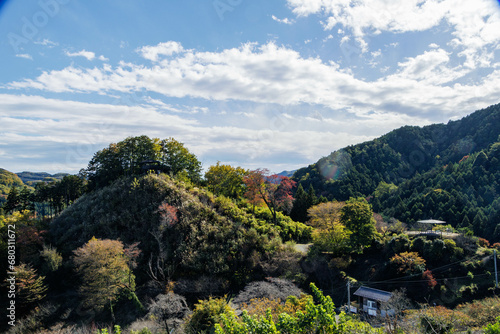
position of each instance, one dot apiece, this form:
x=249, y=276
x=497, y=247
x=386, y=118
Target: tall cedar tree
x=299, y=209
x=302, y=202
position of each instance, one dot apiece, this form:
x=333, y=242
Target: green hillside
x=399, y=155
x=185, y=227
x=7, y=180
x=465, y=194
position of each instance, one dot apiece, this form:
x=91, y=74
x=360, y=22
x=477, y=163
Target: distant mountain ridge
x=33, y=177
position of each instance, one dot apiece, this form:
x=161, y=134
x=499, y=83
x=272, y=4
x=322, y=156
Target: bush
x=316, y=316
x=52, y=259
x=493, y=328
x=169, y=309
x=206, y=314
x=440, y=320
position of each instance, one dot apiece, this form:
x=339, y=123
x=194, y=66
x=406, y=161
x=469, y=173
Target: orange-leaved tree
x=274, y=190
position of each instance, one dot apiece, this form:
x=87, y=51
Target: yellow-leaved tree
x=104, y=268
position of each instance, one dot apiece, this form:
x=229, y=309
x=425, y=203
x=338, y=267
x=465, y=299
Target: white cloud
x=102, y=58
x=86, y=54
x=430, y=67
x=163, y=49
x=286, y=20
x=47, y=42
x=25, y=56
x=39, y=126
x=476, y=25
x=279, y=75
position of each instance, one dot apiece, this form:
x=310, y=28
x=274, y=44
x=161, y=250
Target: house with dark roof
x=372, y=301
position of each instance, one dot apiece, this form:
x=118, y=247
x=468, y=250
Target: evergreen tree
x=311, y=196
x=26, y=199
x=300, y=205
x=13, y=200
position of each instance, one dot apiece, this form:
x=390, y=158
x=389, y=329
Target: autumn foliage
x=105, y=272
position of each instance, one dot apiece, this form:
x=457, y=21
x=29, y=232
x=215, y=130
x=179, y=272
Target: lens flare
x=335, y=166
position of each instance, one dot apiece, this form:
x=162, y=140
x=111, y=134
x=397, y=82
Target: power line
x=419, y=274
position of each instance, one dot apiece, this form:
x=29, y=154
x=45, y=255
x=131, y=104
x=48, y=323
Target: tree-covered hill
x=182, y=231
x=400, y=155
x=7, y=180
x=464, y=193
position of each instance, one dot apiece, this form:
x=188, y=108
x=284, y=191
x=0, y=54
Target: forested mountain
x=405, y=156
x=464, y=193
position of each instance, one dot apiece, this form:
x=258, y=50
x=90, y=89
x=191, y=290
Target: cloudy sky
x=251, y=83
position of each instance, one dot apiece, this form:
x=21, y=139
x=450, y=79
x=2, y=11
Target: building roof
x=431, y=221
x=375, y=294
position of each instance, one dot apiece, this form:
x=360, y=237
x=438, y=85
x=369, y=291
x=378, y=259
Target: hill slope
x=7, y=180
x=183, y=230
x=399, y=155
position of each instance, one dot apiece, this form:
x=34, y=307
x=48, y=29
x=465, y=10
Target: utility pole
x=349, y=295
x=496, y=272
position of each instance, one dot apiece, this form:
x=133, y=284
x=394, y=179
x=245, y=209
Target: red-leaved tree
x=274, y=190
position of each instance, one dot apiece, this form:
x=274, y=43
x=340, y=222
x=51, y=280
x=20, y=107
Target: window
x=371, y=304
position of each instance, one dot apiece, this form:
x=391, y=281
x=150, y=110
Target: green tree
x=226, y=180
x=175, y=156
x=357, y=216
x=71, y=188
x=13, y=200
x=105, y=272
x=26, y=199
x=311, y=196
x=129, y=157
x=300, y=205
x=329, y=234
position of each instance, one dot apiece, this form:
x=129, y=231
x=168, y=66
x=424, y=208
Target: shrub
x=52, y=258
x=170, y=309
x=273, y=288
x=441, y=320
x=493, y=328
x=206, y=314
x=408, y=263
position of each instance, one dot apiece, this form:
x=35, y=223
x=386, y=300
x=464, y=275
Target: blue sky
x=275, y=84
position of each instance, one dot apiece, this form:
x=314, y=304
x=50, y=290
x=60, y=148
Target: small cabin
x=372, y=301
